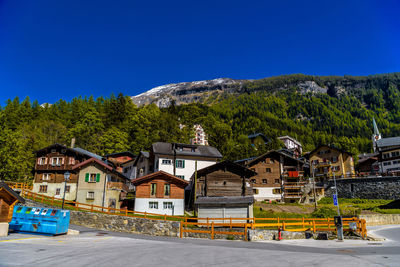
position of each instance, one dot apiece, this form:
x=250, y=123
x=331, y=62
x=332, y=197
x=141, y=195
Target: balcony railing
x=118, y=185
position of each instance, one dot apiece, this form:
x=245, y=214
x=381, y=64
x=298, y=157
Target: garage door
x=210, y=212
x=235, y=212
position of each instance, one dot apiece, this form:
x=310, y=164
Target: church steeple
x=376, y=136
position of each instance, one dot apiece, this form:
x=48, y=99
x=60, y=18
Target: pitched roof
x=126, y=153
x=158, y=174
x=328, y=146
x=101, y=163
x=291, y=138
x=174, y=149
x=283, y=152
x=11, y=192
x=225, y=200
x=254, y=135
x=230, y=166
x=87, y=153
x=387, y=142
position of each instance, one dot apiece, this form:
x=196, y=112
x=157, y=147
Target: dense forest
x=107, y=125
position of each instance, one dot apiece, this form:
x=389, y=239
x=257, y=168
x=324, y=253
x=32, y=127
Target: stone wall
x=259, y=235
x=368, y=188
x=380, y=219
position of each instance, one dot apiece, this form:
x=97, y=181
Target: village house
x=141, y=165
x=51, y=164
x=100, y=184
x=120, y=159
x=160, y=193
x=223, y=190
x=388, y=150
x=177, y=159
x=280, y=176
x=292, y=145
x=258, y=140
x=200, y=137
x=327, y=161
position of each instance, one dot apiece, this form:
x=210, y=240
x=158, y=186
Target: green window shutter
x=87, y=177
x=176, y=164
x=97, y=177
x=183, y=163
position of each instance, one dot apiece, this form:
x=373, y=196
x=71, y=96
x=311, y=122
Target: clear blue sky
x=52, y=49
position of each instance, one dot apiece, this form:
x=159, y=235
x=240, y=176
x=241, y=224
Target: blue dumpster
x=40, y=220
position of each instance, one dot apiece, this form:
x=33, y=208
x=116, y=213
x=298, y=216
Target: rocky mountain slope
x=210, y=90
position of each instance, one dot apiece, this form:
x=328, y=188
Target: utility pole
x=315, y=195
x=338, y=220
x=195, y=188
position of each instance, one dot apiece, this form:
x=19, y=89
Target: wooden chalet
x=223, y=190
x=8, y=198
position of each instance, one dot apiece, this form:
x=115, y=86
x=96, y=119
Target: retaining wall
x=380, y=219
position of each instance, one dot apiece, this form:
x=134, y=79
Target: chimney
x=73, y=142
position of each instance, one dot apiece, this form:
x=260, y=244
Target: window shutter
x=183, y=163
x=98, y=177
x=62, y=161
x=38, y=161
x=176, y=164
x=87, y=177
x=45, y=161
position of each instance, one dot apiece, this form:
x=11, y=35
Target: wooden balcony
x=49, y=167
x=118, y=185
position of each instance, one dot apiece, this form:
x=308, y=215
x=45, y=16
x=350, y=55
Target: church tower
x=376, y=136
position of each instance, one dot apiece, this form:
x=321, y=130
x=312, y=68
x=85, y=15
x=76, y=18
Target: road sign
x=335, y=202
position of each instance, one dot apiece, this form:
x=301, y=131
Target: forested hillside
x=112, y=124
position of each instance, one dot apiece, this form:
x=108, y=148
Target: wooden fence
x=207, y=225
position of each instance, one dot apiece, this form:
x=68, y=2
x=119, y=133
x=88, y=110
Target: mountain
x=210, y=91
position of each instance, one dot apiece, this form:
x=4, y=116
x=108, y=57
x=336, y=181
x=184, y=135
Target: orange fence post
x=303, y=222
x=145, y=214
x=207, y=224
x=313, y=225
x=165, y=217
x=283, y=226
x=126, y=211
x=212, y=230
x=42, y=198
x=91, y=207
x=245, y=232
x=230, y=223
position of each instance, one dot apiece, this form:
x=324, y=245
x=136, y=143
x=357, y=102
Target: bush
x=324, y=212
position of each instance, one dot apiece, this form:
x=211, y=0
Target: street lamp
x=66, y=178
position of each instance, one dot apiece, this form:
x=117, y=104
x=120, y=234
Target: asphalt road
x=100, y=248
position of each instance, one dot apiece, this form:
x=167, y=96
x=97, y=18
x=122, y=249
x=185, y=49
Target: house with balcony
x=326, y=161
x=388, y=150
x=100, y=184
x=292, y=145
x=280, y=176
x=177, y=159
x=51, y=164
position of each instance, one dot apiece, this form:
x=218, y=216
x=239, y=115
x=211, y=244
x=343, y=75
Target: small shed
x=8, y=198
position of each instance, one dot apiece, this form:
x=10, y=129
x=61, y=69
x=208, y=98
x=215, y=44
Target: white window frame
x=90, y=195
x=166, y=162
x=90, y=177
x=181, y=176
x=153, y=205
x=180, y=163
x=167, y=205
x=58, y=191
x=58, y=161
x=46, y=176
x=42, y=160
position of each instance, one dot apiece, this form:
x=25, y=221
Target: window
x=167, y=205
x=53, y=151
x=315, y=162
x=58, y=190
x=253, y=169
x=264, y=181
x=268, y=161
x=92, y=177
x=180, y=163
x=42, y=161
x=387, y=163
x=334, y=159
x=276, y=191
x=181, y=176
x=167, y=189
x=255, y=191
x=277, y=181
x=153, y=205
x=153, y=189
x=56, y=161
x=43, y=189
x=335, y=168
x=396, y=154
x=268, y=170
x=386, y=155
x=166, y=162
x=67, y=188
x=90, y=195
x=63, y=151
x=46, y=176
x=253, y=181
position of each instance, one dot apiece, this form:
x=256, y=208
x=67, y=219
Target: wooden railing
x=16, y=185
x=238, y=226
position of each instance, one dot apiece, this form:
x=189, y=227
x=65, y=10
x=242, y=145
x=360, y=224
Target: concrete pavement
x=100, y=248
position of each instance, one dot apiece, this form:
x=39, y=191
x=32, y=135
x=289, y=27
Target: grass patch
x=258, y=212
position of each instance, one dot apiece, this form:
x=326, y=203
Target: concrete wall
x=368, y=188
x=266, y=193
x=142, y=205
x=52, y=188
x=380, y=219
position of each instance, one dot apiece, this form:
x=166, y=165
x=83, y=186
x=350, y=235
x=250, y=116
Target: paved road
x=98, y=248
